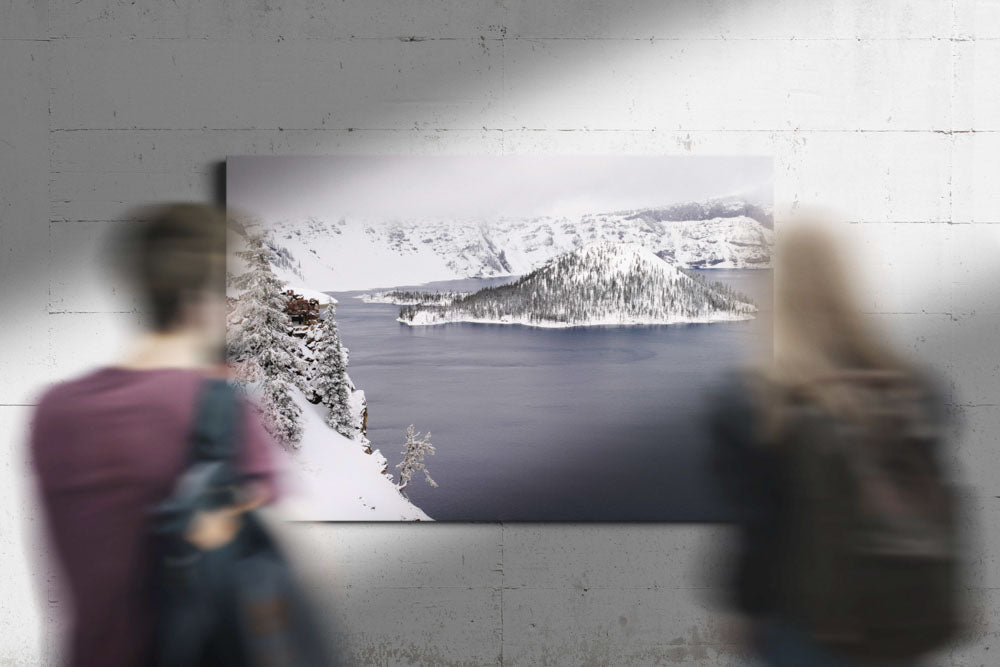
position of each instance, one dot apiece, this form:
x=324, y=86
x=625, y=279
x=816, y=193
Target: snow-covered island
x=602, y=283
x=412, y=297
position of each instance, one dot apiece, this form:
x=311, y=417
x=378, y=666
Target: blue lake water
x=530, y=424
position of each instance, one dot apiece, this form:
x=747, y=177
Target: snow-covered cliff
x=331, y=470
x=603, y=283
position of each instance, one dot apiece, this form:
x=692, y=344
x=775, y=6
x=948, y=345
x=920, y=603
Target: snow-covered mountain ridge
x=603, y=283
x=342, y=254
x=728, y=207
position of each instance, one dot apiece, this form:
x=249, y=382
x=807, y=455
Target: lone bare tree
x=413, y=458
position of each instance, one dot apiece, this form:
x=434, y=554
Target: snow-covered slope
x=333, y=479
x=600, y=284
x=354, y=254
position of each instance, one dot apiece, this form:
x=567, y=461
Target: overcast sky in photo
x=418, y=187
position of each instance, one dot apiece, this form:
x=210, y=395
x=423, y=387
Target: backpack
x=872, y=549
x=238, y=604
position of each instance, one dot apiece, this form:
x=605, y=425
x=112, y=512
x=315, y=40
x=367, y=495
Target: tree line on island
x=412, y=297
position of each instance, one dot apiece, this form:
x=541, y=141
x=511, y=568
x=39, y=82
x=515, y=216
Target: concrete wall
x=889, y=111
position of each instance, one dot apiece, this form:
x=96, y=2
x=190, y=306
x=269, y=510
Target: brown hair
x=172, y=253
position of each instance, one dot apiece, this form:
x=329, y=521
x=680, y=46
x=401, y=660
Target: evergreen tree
x=413, y=458
x=329, y=376
x=257, y=337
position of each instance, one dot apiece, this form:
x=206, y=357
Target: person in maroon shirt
x=108, y=446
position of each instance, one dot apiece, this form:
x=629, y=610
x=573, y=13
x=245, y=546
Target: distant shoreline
x=552, y=324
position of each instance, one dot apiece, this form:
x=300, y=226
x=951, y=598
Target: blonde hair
x=821, y=336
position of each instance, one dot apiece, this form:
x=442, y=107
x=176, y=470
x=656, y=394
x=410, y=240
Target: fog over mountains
x=350, y=254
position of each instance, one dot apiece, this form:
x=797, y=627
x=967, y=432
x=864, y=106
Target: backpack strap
x=214, y=435
x=210, y=480
x=213, y=444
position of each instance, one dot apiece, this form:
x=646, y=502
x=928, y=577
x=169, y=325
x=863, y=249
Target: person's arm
x=257, y=459
x=749, y=475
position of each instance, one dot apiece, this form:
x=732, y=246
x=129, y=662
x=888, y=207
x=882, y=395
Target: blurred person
x=109, y=448
x=847, y=552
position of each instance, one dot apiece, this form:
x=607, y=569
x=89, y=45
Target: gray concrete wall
x=889, y=111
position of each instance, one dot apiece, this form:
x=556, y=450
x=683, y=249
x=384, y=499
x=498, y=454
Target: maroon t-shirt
x=106, y=448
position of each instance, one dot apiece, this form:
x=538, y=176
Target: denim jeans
x=785, y=645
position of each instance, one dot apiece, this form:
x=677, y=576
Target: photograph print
x=497, y=338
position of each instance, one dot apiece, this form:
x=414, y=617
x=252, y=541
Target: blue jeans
x=785, y=645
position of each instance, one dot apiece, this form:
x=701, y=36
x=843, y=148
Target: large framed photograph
x=498, y=338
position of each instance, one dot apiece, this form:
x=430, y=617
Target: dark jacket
x=754, y=477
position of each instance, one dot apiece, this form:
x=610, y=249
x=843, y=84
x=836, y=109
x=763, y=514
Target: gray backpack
x=872, y=557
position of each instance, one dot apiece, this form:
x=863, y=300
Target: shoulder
x=57, y=416
x=102, y=395
x=64, y=395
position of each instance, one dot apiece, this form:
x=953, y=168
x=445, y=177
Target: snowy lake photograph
x=497, y=338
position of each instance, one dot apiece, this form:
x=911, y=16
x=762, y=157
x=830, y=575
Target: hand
x=211, y=529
